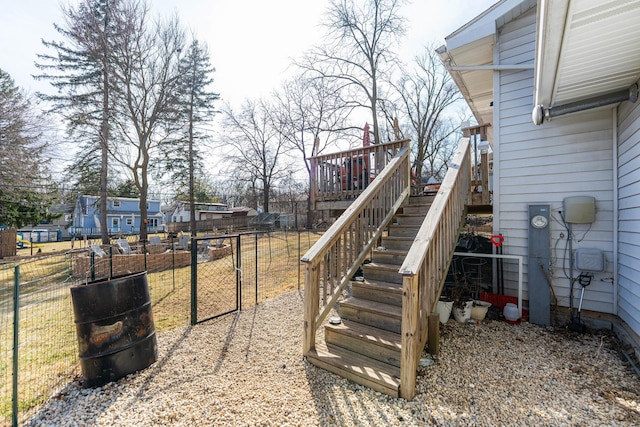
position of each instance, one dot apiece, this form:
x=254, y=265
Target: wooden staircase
x=365, y=346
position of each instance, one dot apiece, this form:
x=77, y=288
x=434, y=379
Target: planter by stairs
x=365, y=347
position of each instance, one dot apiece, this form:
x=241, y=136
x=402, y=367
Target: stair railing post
x=311, y=305
x=410, y=336
x=313, y=190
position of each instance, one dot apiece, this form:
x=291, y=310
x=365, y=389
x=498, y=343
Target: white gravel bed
x=247, y=370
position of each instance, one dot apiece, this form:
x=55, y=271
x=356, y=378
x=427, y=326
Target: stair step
x=409, y=219
x=415, y=209
x=403, y=230
x=418, y=200
x=397, y=242
x=389, y=256
x=372, y=313
x=374, y=374
x=375, y=290
x=368, y=341
x=382, y=272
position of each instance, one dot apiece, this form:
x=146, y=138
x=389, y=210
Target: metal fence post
x=16, y=319
x=93, y=266
x=173, y=265
x=110, y=261
x=144, y=251
x=194, y=281
x=239, y=272
x=256, y=268
x=299, y=256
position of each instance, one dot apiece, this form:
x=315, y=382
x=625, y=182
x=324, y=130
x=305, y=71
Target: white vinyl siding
x=629, y=215
x=567, y=156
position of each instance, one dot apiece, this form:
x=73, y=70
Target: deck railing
x=345, y=175
x=425, y=266
x=336, y=256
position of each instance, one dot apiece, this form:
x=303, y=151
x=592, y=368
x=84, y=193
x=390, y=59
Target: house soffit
x=473, y=46
x=585, y=48
x=475, y=85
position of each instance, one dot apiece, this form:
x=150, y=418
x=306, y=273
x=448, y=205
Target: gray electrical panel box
x=590, y=260
x=580, y=209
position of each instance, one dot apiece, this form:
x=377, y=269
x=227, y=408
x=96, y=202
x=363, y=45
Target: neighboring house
x=204, y=211
x=123, y=216
x=570, y=66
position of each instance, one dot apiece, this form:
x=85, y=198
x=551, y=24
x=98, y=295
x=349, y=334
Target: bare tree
x=231, y=191
x=145, y=67
x=361, y=35
x=256, y=146
x=309, y=116
x=421, y=101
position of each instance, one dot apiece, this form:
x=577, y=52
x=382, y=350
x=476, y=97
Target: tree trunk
x=265, y=195
x=104, y=149
x=144, y=188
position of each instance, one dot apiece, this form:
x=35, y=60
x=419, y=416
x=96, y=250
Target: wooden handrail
x=425, y=266
x=335, y=257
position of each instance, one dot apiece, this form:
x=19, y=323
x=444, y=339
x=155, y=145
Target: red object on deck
x=500, y=301
x=355, y=173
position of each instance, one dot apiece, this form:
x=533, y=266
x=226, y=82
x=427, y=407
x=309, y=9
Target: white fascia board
x=478, y=32
x=551, y=19
x=481, y=26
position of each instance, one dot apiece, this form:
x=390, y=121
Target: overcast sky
x=251, y=41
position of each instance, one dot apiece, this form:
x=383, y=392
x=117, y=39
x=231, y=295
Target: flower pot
x=444, y=310
x=462, y=314
x=479, y=309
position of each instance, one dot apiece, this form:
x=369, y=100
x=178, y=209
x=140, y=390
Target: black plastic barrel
x=114, y=325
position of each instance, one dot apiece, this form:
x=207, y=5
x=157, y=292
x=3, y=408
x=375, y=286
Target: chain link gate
x=216, y=277
x=236, y=271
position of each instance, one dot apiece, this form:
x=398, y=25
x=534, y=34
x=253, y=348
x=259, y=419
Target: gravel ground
x=247, y=370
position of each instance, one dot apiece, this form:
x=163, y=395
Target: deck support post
x=433, y=338
x=410, y=336
x=311, y=306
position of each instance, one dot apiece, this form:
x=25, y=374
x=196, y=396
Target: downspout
x=615, y=209
x=496, y=157
x=496, y=140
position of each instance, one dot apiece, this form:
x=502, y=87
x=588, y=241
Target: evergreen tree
x=182, y=157
x=23, y=176
x=80, y=71
x=126, y=188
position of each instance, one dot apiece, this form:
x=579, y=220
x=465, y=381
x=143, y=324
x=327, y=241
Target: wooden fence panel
x=7, y=243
